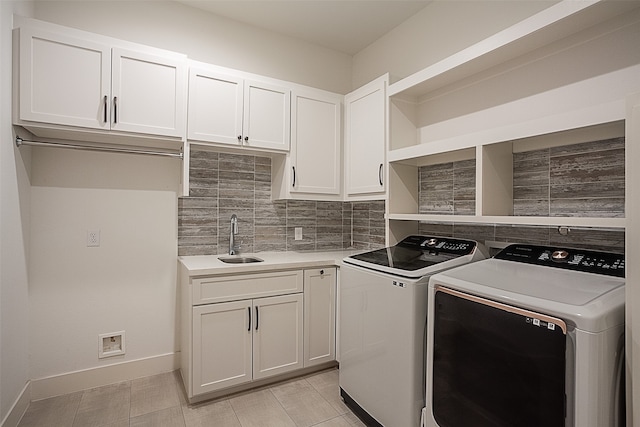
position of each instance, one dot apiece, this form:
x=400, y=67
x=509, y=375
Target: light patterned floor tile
x=260, y=409
x=170, y=417
x=340, y=421
x=104, y=405
x=303, y=403
x=56, y=411
x=159, y=401
x=327, y=384
x=353, y=420
x=212, y=414
x=151, y=394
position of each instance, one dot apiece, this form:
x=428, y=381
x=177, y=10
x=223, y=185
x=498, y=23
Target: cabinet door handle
x=115, y=109
x=249, y=310
x=294, y=176
x=246, y=139
x=240, y=138
x=321, y=272
x=380, y=174
x=106, y=107
x=257, y=317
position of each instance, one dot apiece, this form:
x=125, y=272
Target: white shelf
x=481, y=103
x=552, y=24
x=515, y=220
x=589, y=116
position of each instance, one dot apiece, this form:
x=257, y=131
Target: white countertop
x=201, y=265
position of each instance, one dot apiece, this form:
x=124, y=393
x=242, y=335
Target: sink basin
x=240, y=259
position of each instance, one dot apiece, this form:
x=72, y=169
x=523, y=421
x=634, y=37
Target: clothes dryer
x=532, y=337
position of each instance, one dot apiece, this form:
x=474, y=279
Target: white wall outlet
x=111, y=344
x=93, y=238
x=298, y=233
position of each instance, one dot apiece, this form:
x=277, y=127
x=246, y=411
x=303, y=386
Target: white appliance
x=383, y=311
x=531, y=337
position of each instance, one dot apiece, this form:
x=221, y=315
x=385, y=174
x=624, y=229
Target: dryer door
x=496, y=365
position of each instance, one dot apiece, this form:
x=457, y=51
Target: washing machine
x=532, y=337
x=383, y=311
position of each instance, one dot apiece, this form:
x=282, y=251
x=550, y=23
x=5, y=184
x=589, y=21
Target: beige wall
x=128, y=283
x=437, y=31
x=206, y=37
x=14, y=234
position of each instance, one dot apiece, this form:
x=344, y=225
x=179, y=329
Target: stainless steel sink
x=240, y=259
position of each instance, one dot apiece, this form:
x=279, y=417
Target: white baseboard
x=19, y=407
x=71, y=382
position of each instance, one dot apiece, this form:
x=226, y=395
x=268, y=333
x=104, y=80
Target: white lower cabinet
x=247, y=327
x=319, y=316
x=221, y=333
x=240, y=341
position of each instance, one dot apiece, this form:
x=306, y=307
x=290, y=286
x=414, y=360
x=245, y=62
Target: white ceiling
x=344, y=25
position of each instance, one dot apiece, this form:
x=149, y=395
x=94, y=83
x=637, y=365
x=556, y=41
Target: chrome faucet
x=232, y=236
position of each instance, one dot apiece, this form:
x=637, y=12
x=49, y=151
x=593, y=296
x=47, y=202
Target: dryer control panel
x=597, y=262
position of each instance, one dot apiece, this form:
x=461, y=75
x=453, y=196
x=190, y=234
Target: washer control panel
x=439, y=244
x=607, y=263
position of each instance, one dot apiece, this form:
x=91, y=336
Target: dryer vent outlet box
x=111, y=344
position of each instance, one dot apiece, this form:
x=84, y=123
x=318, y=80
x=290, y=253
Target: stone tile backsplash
x=448, y=188
x=586, y=180
x=222, y=184
x=611, y=240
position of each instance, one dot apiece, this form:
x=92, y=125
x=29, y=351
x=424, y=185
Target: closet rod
x=20, y=141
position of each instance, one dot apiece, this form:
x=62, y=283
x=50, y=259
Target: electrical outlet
x=298, y=233
x=111, y=344
x=93, y=238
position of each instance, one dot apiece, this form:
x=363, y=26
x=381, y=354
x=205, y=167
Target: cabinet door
x=221, y=345
x=215, y=107
x=63, y=80
x=365, y=136
x=315, y=143
x=267, y=116
x=319, y=316
x=277, y=335
x=148, y=94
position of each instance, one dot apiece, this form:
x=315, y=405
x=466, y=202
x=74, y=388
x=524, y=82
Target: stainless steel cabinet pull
x=105, y=108
x=380, y=174
x=115, y=109
x=249, y=310
x=294, y=176
x=257, y=318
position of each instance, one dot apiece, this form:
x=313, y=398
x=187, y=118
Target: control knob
x=559, y=256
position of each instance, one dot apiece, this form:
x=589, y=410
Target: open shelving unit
x=560, y=77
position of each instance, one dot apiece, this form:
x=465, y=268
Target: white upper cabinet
x=215, y=107
x=228, y=109
x=66, y=81
x=365, y=137
x=267, y=116
x=315, y=142
x=148, y=93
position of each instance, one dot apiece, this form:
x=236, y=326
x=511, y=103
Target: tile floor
x=159, y=401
